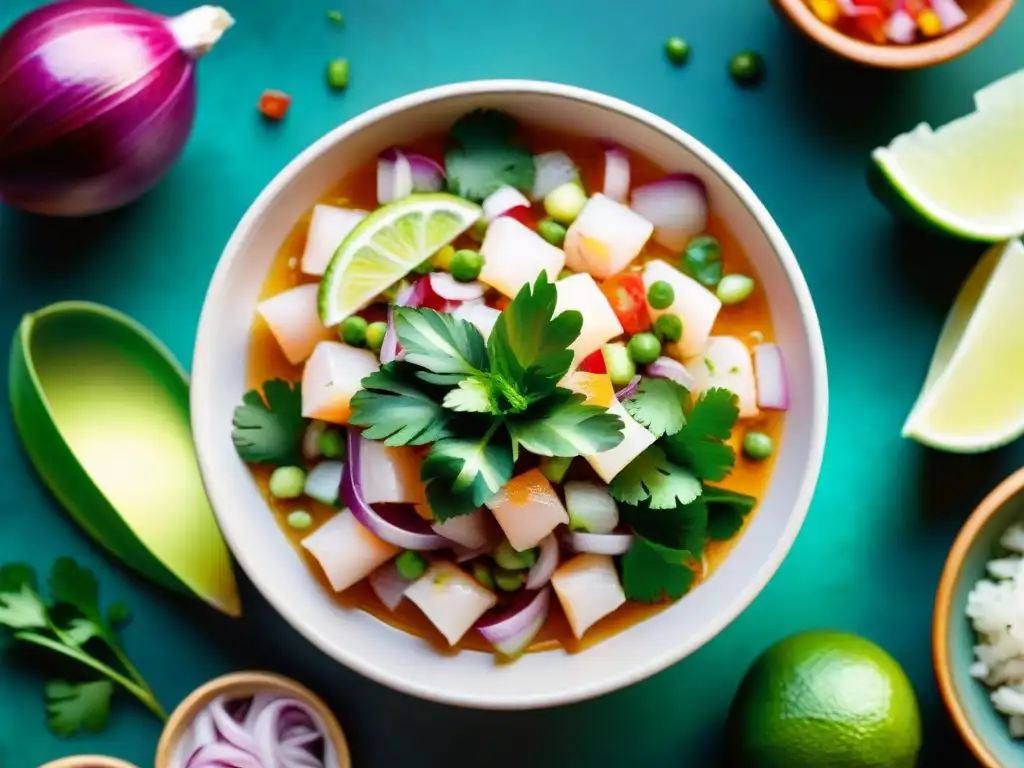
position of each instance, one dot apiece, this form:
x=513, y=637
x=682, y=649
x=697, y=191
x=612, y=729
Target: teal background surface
x=886, y=509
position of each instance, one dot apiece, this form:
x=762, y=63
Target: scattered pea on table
x=337, y=74
x=677, y=50
x=747, y=67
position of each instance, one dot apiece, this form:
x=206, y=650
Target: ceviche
x=512, y=390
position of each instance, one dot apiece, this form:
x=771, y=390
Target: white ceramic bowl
x=402, y=661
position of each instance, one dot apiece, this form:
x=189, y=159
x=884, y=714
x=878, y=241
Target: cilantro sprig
x=72, y=624
x=267, y=428
x=483, y=156
x=476, y=403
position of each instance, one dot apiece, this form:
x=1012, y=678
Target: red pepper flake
x=274, y=105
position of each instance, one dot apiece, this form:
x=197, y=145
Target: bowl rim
x=245, y=682
x=893, y=56
x=978, y=519
x=88, y=761
x=808, y=317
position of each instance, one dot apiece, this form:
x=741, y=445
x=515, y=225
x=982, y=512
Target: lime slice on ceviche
x=963, y=178
x=981, y=349
x=386, y=245
x=556, y=407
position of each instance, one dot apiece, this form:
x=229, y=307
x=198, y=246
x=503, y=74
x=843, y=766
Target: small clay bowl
x=236, y=686
x=88, y=761
x=983, y=729
x=983, y=18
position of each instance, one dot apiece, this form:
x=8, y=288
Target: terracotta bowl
x=984, y=17
x=982, y=728
x=88, y=761
x=240, y=685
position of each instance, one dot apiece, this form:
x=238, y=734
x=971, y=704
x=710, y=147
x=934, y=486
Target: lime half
x=386, y=246
x=972, y=399
x=965, y=177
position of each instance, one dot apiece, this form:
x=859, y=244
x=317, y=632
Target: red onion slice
x=599, y=543
x=616, y=174
x=629, y=391
x=502, y=200
x=547, y=562
x=267, y=731
x=413, y=296
x=677, y=206
x=772, y=383
x=552, y=170
x=397, y=524
x=667, y=368
x=450, y=289
x=427, y=173
x=229, y=730
x=223, y=755
x=394, y=176
x=511, y=629
x=388, y=585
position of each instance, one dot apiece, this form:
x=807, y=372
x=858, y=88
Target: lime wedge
x=386, y=246
x=965, y=177
x=972, y=399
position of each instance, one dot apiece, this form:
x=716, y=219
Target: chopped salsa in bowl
x=512, y=390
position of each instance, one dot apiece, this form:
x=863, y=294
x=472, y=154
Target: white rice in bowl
x=996, y=609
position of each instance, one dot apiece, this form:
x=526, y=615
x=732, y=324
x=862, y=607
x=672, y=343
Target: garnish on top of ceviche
x=891, y=21
x=519, y=379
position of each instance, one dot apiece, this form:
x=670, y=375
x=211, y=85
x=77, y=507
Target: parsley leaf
x=567, y=427
x=683, y=528
x=395, y=407
x=700, y=443
x=529, y=345
x=445, y=346
x=473, y=395
x=75, y=586
x=21, y=607
x=726, y=511
x=462, y=473
x=653, y=479
x=652, y=573
x=270, y=432
x=658, y=405
x=74, y=707
x=483, y=156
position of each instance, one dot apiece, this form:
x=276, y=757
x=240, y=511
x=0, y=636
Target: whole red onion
x=97, y=100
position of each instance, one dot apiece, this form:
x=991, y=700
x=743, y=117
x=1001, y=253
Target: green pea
x=332, y=444
x=466, y=265
x=509, y=581
x=287, y=482
x=353, y=331
x=702, y=260
x=483, y=575
x=337, y=74
x=620, y=365
x=375, y=335
x=551, y=231
x=677, y=50
x=411, y=565
x=565, y=203
x=511, y=560
x=668, y=328
x=300, y=519
x=661, y=295
x=747, y=67
x=757, y=446
x=644, y=348
x=734, y=289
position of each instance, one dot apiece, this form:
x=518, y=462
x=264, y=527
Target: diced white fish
x=600, y=325
x=294, y=320
x=588, y=588
x=605, y=237
x=328, y=229
x=451, y=599
x=515, y=255
x=347, y=552
x=694, y=305
x=333, y=374
x=725, y=362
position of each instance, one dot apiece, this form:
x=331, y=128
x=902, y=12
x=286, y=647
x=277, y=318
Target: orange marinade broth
x=359, y=190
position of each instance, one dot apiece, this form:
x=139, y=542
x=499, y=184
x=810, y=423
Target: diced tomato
x=522, y=214
x=626, y=293
x=594, y=363
x=274, y=105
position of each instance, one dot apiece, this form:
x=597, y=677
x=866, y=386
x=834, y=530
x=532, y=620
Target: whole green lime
x=825, y=700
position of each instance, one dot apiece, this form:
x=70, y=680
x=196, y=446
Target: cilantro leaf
x=658, y=405
x=699, y=444
x=80, y=631
x=567, y=427
x=21, y=607
x=270, y=432
x=484, y=128
x=473, y=395
x=652, y=573
x=395, y=407
x=653, y=479
x=462, y=473
x=726, y=511
x=74, y=707
x=440, y=344
x=484, y=156
x=683, y=528
x=75, y=586
x=529, y=345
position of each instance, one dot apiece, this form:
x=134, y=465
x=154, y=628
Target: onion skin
x=97, y=100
